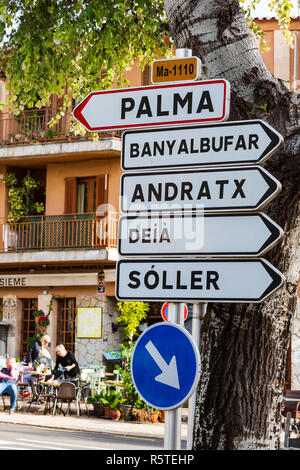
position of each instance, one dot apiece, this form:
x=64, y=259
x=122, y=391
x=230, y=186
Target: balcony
x=32, y=127
x=61, y=232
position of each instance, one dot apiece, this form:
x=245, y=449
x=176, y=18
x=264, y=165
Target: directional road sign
x=174, y=70
x=247, y=280
x=226, y=189
x=229, y=143
x=180, y=103
x=165, y=309
x=165, y=365
x=197, y=234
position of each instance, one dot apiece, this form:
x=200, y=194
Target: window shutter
x=101, y=192
x=70, y=195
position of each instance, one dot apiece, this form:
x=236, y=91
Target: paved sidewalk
x=92, y=424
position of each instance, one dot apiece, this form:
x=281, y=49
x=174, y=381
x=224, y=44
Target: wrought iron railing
x=33, y=127
x=71, y=231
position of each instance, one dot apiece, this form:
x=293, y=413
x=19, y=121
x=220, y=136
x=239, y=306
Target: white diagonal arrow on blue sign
x=169, y=374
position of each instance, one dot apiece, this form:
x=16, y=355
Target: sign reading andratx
x=226, y=189
x=188, y=102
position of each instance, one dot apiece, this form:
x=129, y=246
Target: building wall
x=281, y=59
x=56, y=174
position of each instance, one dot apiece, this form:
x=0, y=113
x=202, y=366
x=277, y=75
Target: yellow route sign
x=175, y=70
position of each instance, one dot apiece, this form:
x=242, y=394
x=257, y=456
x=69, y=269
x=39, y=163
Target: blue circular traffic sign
x=165, y=365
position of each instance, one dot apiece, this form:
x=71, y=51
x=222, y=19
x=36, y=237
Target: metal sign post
x=199, y=311
x=172, y=437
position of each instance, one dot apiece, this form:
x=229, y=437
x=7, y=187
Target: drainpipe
x=295, y=59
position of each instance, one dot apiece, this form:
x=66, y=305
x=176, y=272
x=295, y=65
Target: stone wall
x=89, y=350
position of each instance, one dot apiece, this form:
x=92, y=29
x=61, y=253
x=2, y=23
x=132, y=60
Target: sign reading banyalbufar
x=247, y=280
x=197, y=234
x=229, y=143
x=248, y=188
x=188, y=102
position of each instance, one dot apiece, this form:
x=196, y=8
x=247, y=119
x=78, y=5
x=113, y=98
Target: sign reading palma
x=188, y=102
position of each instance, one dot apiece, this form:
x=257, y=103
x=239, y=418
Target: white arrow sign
x=180, y=103
x=222, y=189
x=197, y=234
x=229, y=143
x=248, y=280
x=169, y=375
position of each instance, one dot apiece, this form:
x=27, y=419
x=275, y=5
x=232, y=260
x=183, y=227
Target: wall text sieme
x=12, y=281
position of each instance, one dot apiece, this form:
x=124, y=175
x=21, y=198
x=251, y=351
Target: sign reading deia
x=175, y=70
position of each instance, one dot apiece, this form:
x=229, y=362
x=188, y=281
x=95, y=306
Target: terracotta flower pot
x=141, y=415
x=115, y=414
x=154, y=416
x=107, y=412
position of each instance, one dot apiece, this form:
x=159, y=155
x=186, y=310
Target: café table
x=114, y=384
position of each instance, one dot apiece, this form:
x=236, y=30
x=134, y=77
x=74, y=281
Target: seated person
x=8, y=382
x=67, y=361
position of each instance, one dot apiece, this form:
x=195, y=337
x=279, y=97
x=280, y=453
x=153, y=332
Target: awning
x=112, y=355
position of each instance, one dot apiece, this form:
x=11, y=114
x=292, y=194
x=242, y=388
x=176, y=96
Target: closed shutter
x=101, y=194
x=70, y=195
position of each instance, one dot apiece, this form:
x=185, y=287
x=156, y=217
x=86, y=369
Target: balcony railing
x=33, y=127
x=71, y=231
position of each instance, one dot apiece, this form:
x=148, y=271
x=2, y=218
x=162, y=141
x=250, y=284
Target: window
x=86, y=195
x=66, y=323
x=28, y=323
x=3, y=92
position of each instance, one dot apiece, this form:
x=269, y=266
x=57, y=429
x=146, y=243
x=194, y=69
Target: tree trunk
x=244, y=346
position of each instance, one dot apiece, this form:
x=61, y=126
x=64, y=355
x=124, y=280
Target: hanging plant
x=21, y=197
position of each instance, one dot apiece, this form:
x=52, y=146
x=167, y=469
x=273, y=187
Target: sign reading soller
x=220, y=280
x=179, y=103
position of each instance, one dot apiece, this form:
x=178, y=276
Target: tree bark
x=244, y=346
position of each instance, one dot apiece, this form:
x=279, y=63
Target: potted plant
x=154, y=415
x=98, y=404
x=140, y=411
x=130, y=394
x=112, y=400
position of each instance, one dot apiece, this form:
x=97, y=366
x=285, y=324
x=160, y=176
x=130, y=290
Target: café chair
x=67, y=392
x=38, y=392
x=86, y=393
x=96, y=381
x=41, y=393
